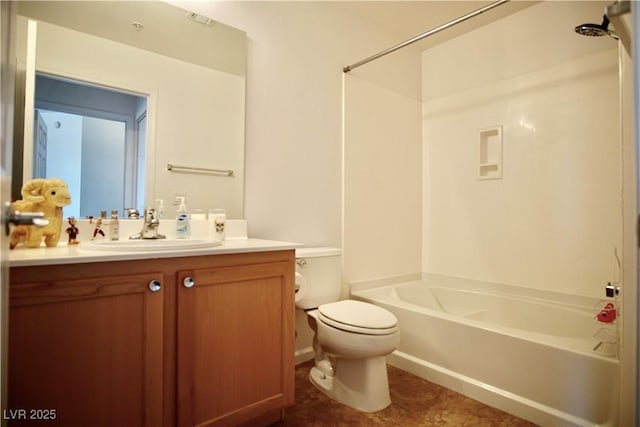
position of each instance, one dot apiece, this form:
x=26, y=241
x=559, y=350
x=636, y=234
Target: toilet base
x=361, y=384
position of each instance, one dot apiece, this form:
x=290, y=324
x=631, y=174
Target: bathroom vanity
x=164, y=338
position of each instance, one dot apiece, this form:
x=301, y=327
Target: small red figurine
x=72, y=231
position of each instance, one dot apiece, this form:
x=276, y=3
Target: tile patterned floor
x=414, y=402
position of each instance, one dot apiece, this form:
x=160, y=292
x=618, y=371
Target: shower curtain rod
x=425, y=34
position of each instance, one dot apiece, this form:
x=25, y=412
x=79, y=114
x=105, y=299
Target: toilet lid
x=358, y=316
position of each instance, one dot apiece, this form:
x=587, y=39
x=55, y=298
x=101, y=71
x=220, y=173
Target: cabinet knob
x=189, y=282
x=154, y=285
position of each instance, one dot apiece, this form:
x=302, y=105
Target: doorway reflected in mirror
x=93, y=138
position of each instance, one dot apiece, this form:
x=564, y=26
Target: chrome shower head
x=595, y=30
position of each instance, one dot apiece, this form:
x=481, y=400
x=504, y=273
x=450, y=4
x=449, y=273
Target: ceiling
x=144, y=24
x=404, y=20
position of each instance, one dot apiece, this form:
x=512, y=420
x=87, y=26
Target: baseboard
x=303, y=355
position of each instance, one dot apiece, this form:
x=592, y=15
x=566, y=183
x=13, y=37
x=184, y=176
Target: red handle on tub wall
x=608, y=314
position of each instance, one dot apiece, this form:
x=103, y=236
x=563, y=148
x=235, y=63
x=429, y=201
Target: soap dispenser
x=160, y=211
x=183, y=228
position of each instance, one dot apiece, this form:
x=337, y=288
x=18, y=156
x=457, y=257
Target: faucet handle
x=132, y=213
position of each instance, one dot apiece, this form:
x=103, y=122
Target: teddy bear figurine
x=41, y=195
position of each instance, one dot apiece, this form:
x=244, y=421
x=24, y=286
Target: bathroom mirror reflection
x=187, y=98
x=94, y=139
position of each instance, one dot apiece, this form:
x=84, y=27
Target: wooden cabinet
x=86, y=351
x=233, y=331
x=97, y=346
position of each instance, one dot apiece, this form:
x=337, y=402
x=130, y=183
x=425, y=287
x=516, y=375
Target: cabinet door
x=86, y=352
x=235, y=343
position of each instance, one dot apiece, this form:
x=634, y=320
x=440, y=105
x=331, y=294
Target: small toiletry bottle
x=183, y=228
x=160, y=209
x=114, y=226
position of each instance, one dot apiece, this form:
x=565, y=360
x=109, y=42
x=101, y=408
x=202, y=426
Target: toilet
x=351, y=338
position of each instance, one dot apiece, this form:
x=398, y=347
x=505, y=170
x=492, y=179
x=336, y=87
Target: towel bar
x=176, y=168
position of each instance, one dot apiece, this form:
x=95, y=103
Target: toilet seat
x=359, y=317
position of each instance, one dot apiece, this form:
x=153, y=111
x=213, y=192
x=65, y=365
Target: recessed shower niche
x=490, y=158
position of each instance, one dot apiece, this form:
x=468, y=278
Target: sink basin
x=149, y=244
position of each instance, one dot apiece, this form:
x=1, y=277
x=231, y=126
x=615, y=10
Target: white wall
x=294, y=150
x=296, y=54
x=103, y=165
x=630, y=126
x=382, y=182
x=554, y=219
x=64, y=154
x=482, y=230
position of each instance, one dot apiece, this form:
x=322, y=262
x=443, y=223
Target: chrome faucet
x=149, y=227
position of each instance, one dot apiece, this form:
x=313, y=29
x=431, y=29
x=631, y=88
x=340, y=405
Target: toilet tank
x=319, y=276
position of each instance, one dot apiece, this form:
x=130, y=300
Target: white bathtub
x=528, y=352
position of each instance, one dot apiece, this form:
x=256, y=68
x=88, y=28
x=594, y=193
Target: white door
x=40, y=146
x=7, y=81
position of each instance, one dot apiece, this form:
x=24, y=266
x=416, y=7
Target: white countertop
x=63, y=254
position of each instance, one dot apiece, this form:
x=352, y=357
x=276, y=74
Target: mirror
x=92, y=138
x=189, y=69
